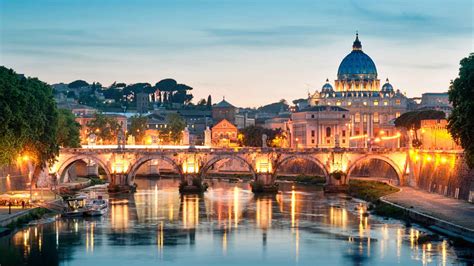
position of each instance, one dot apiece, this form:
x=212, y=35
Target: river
x=228, y=225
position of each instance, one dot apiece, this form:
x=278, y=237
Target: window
x=349, y=103
x=328, y=132
x=357, y=118
x=312, y=141
x=343, y=133
x=312, y=133
x=312, y=116
x=397, y=101
x=338, y=103
x=365, y=118
x=385, y=103
x=397, y=114
x=376, y=117
x=343, y=116
x=376, y=103
x=365, y=103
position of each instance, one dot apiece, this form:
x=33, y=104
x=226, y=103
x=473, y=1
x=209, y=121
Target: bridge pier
x=192, y=184
x=118, y=184
x=264, y=183
x=92, y=169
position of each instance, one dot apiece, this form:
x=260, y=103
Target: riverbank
x=451, y=217
x=10, y=222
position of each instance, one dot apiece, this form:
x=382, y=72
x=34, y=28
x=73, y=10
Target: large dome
x=357, y=65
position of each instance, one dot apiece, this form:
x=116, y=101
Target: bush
x=311, y=179
x=370, y=191
x=32, y=215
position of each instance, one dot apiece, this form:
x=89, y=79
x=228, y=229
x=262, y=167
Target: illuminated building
x=357, y=88
x=224, y=134
x=320, y=127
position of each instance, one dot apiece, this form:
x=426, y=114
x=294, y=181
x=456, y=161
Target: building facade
x=320, y=127
x=224, y=134
x=372, y=109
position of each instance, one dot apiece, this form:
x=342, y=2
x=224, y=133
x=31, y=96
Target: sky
x=253, y=52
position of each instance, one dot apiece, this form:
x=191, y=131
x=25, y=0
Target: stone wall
x=445, y=173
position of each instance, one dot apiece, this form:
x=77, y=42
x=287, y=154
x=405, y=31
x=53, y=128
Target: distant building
x=224, y=134
x=243, y=121
x=320, y=127
x=142, y=102
x=436, y=101
x=372, y=109
x=223, y=110
x=278, y=122
x=77, y=109
x=434, y=135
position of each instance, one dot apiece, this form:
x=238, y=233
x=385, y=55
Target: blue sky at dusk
x=253, y=52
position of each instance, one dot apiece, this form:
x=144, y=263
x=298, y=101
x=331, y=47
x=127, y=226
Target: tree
x=412, y=121
x=176, y=125
x=68, y=130
x=104, y=127
x=78, y=84
x=252, y=136
x=28, y=120
x=461, y=120
x=209, y=102
x=138, y=126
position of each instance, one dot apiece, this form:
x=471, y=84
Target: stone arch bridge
x=121, y=165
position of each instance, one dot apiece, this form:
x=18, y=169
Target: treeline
x=31, y=127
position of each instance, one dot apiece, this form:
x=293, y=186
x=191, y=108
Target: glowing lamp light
x=190, y=166
x=119, y=167
x=264, y=166
x=428, y=158
x=444, y=160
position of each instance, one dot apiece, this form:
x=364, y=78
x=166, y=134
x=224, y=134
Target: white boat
x=97, y=207
x=75, y=207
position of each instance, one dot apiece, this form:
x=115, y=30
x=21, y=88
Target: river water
x=228, y=225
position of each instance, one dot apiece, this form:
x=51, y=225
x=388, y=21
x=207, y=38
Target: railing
x=206, y=149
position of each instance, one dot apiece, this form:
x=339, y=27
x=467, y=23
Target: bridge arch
x=218, y=158
x=303, y=157
x=134, y=168
x=64, y=166
x=383, y=158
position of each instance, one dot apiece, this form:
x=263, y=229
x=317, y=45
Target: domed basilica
x=369, y=110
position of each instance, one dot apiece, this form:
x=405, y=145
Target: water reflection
x=157, y=225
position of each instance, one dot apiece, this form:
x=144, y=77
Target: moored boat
x=97, y=207
x=75, y=207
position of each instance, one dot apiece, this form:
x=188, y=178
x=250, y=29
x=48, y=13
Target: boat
x=97, y=207
x=75, y=206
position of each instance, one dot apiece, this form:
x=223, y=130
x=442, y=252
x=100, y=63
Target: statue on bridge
x=264, y=141
x=121, y=140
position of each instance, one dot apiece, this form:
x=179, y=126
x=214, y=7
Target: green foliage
x=88, y=98
x=280, y=106
x=412, y=120
x=461, y=120
x=176, y=125
x=370, y=191
x=104, y=127
x=315, y=180
x=78, y=84
x=138, y=127
x=32, y=215
x=28, y=120
x=252, y=136
x=68, y=130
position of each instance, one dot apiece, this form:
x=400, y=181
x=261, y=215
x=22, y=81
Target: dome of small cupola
x=387, y=87
x=357, y=65
x=327, y=87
